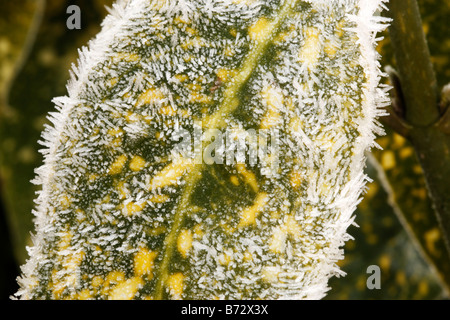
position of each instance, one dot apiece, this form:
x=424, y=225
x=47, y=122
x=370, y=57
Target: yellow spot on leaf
x=274, y=101
x=132, y=207
x=228, y=51
x=234, y=180
x=385, y=262
x=191, y=31
x=340, y=29
x=150, y=96
x=388, y=160
x=72, y=262
x=194, y=42
x=292, y=227
x=226, y=257
x=181, y=77
x=275, y=215
x=330, y=49
x=97, y=281
x=184, y=242
x=181, y=19
x=175, y=285
x=248, y=256
x=270, y=274
x=168, y=111
x=137, y=163
x=296, y=179
x=159, y=4
x=417, y=169
x=113, y=278
x=127, y=56
x=93, y=177
x=65, y=202
x=280, y=234
x=406, y=152
x=84, y=294
x=169, y=175
x=116, y=142
x=144, y=262
x=431, y=237
x=248, y=215
x=198, y=231
x=259, y=30
x=296, y=124
x=132, y=117
x=194, y=87
x=278, y=240
x=123, y=191
x=57, y=285
x=225, y=74
x=126, y=290
x=117, y=166
x=423, y=288
x=420, y=193
x=399, y=140
x=199, y=98
x=156, y=231
x=113, y=81
x=281, y=37
x=159, y=198
x=309, y=53
x=65, y=241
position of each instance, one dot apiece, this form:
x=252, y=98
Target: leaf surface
x=145, y=193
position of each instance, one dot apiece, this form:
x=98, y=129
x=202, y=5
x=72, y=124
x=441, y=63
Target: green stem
x=421, y=103
x=414, y=67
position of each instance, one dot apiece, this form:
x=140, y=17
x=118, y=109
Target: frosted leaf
x=143, y=195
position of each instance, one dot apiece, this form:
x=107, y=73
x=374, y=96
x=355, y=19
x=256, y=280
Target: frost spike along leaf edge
x=63, y=268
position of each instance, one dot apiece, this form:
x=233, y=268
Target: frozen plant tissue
x=125, y=214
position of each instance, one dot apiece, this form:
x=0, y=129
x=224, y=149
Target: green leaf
x=128, y=211
x=403, y=177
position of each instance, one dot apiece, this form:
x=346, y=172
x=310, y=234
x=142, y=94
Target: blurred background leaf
x=397, y=227
x=37, y=51
x=382, y=240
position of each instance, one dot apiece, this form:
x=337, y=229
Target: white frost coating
x=113, y=189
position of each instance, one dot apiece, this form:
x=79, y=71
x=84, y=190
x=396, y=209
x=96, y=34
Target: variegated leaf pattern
x=123, y=214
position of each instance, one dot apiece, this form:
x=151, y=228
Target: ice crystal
x=124, y=214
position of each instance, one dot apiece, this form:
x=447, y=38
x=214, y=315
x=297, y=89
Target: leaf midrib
x=216, y=121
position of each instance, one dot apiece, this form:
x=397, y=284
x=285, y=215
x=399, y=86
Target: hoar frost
x=123, y=215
